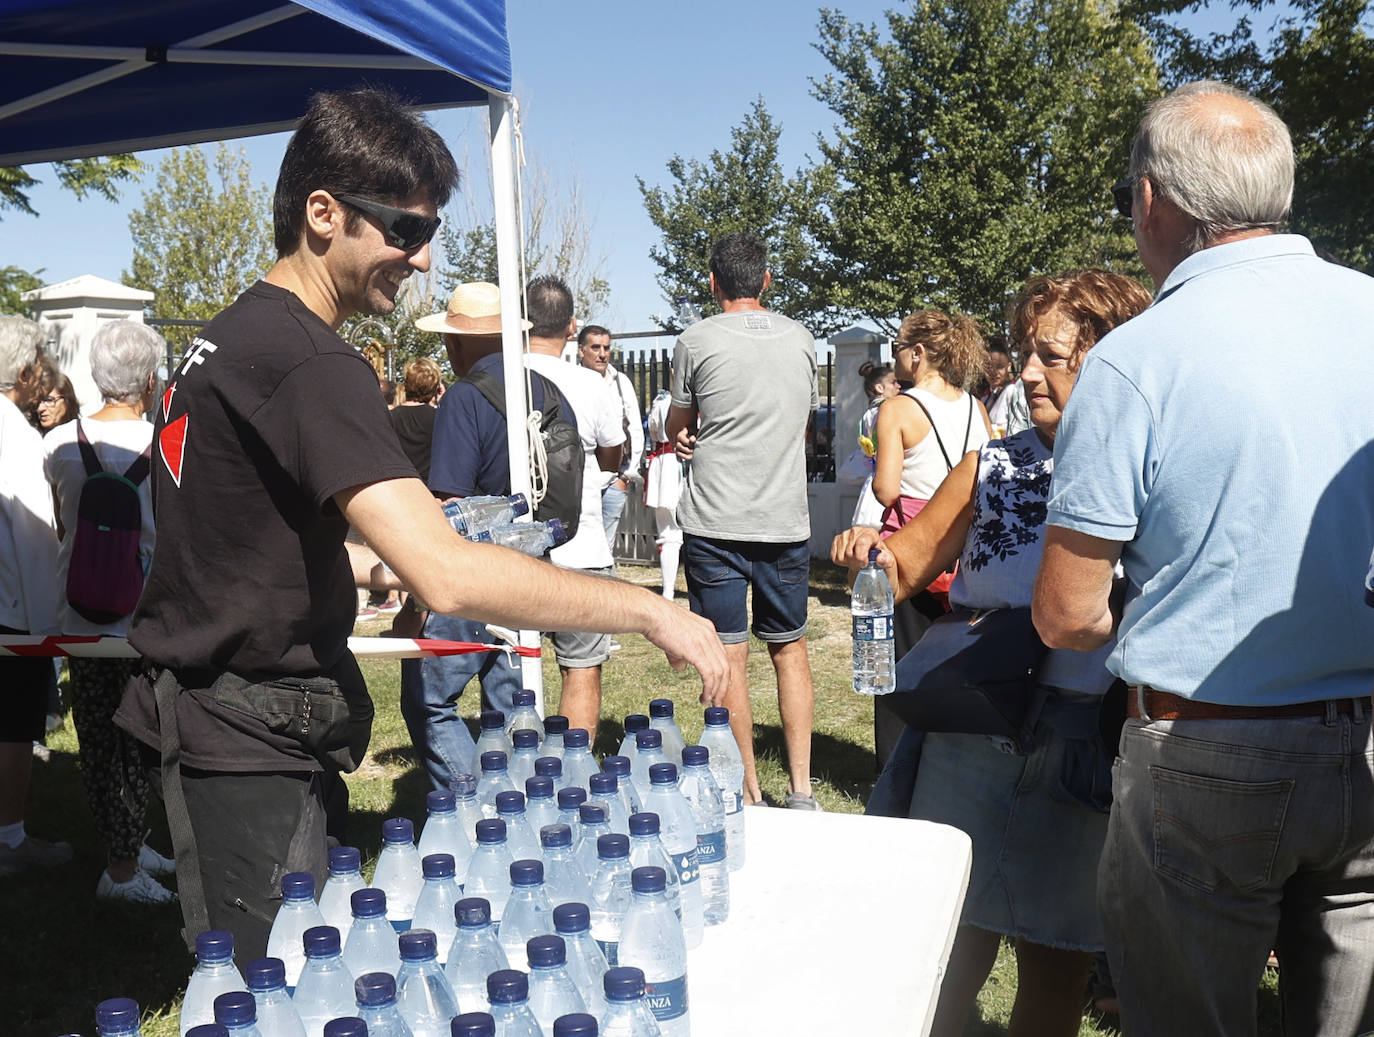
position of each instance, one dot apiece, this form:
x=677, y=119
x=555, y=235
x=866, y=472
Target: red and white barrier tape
x=30, y=646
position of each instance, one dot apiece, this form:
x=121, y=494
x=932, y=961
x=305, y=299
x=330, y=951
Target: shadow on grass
x=845, y=766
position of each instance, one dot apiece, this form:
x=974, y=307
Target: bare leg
x=16, y=765
x=581, y=700
x=1049, y=990
x=742, y=716
x=796, y=704
x=974, y=954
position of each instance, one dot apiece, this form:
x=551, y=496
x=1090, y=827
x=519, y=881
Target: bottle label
x=872, y=628
x=667, y=998
x=711, y=847
x=610, y=948
x=735, y=803
x=688, y=866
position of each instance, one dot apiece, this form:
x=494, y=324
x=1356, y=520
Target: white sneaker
x=154, y=863
x=141, y=889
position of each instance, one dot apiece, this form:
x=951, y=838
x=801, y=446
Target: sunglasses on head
x=1122, y=191
x=402, y=228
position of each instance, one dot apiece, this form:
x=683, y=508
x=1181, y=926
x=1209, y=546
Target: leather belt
x=1161, y=705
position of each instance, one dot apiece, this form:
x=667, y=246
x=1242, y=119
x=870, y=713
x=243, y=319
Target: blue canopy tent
x=96, y=77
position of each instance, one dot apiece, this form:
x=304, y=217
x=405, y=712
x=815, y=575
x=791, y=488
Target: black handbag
x=973, y=672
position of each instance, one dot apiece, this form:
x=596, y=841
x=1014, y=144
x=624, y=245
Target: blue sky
x=608, y=90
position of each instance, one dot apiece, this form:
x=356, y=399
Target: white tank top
x=961, y=429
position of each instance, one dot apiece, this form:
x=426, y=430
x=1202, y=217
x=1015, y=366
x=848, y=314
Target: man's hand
x=686, y=638
x=684, y=443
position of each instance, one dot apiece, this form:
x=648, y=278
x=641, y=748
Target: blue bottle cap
x=118, y=1013
x=623, y=983
x=209, y=1030
x=591, y=814
x=236, y=1008
x=523, y=697
x=556, y=724
x=612, y=846
x=526, y=873
x=576, y=738
x=555, y=835
x=344, y=859
x=525, y=738
x=648, y=879
x=548, y=767
x=398, y=830
x=507, y=987
x=491, y=830
x=717, y=716
x=441, y=801
x=418, y=945
x=571, y=797
x=572, y=917
x=215, y=945
x=345, y=1026
x=636, y=722
x=438, y=866
x=374, y=989
x=872, y=555
x=575, y=1024
x=493, y=720
x=493, y=760
x=546, y=951
x=661, y=708
x=663, y=774
x=617, y=765
x=472, y=912
x=539, y=787
x=265, y=974
x=510, y=802
x=648, y=739
x=473, y=1024
x=321, y=941
x=645, y=823
x=695, y=755
x=298, y=885
x=463, y=786
x=367, y=903
x=602, y=784
x=519, y=505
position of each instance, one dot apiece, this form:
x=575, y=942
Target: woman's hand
x=851, y=549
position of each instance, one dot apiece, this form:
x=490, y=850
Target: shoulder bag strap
x=949, y=465
x=143, y=464
x=194, y=912
x=968, y=429
x=88, y=456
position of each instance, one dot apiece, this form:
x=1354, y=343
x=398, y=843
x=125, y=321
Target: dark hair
x=588, y=330
x=364, y=142
x=1093, y=301
x=550, y=306
x=954, y=344
x=872, y=374
x=739, y=262
x=388, y=390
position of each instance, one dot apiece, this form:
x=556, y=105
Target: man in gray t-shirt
x=744, y=385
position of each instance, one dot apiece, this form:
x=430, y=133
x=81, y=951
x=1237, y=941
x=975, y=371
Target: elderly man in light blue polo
x=1221, y=445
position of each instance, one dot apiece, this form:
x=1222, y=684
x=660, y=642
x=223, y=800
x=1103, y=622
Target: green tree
x=201, y=236
x=741, y=189
x=976, y=145
x=81, y=176
x=14, y=281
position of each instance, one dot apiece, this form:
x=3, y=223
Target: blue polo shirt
x=1226, y=438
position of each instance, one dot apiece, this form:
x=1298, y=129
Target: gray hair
x=21, y=340
x=123, y=354
x=1227, y=174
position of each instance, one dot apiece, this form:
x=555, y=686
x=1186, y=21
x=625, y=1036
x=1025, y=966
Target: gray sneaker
x=154, y=863
x=141, y=889
x=797, y=801
x=33, y=853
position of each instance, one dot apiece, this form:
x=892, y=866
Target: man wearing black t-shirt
x=271, y=439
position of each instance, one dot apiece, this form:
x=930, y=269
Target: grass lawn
x=63, y=951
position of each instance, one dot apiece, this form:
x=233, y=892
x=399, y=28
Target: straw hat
x=474, y=308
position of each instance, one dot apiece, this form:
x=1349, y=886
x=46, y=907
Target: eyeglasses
x=402, y=228
x=52, y=400
x=898, y=346
x=1122, y=192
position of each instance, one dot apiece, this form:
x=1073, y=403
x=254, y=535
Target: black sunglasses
x=1122, y=192
x=402, y=228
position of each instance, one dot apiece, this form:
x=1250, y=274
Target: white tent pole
x=503, y=172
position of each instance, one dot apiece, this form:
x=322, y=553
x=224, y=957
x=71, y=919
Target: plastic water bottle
x=215, y=974
x=495, y=778
x=551, y=767
x=528, y=912
x=540, y=806
x=728, y=768
x=117, y=1017
x=687, y=313
x=594, y=826
x=626, y=1013
x=371, y=943
x=634, y=723
x=532, y=538
x=424, y=996
x=523, y=715
x=376, y=995
x=520, y=837
x=347, y=1025
x=625, y=786
x=474, y=514
x=651, y=941
x=398, y=872
x=208, y=1030
x=578, y=762
x=566, y=881
x=611, y=894
x=586, y=963
x=345, y=876
x=555, y=727
x=552, y=991
x=434, y=908
x=604, y=791
x=661, y=719
x=298, y=912
x=237, y=1012
x=648, y=751
x=277, y=1016
x=699, y=788
x=678, y=830
x=476, y=953
x=575, y=1024
x=570, y=800
x=508, y=992
x=489, y=873
x=492, y=736
x=325, y=990
x=474, y=1024
x=468, y=806
x=444, y=832
x=646, y=849
x=522, y=757
x=875, y=659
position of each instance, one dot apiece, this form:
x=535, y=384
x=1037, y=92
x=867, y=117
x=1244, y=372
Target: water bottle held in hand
x=469, y=515
x=875, y=660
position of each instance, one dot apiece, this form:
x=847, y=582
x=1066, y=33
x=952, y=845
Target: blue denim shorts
x=721, y=572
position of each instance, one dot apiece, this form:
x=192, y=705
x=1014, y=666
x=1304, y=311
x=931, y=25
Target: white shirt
x=631, y=420
x=599, y=424
x=28, y=537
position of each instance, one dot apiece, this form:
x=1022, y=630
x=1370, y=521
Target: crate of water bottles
x=547, y=895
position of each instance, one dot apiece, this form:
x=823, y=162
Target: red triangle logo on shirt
x=167, y=400
x=172, y=446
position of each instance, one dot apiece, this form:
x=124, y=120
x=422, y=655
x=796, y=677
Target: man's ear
x=323, y=215
x=767, y=280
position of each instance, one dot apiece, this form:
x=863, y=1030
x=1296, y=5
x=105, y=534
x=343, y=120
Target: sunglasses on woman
x=402, y=228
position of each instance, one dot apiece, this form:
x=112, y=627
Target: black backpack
x=563, y=450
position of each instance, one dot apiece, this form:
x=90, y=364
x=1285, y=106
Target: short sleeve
x=682, y=375
x=1105, y=455
x=815, y=389
x=465, y=462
